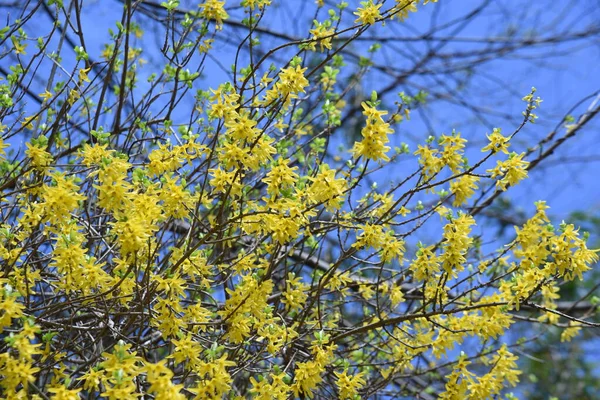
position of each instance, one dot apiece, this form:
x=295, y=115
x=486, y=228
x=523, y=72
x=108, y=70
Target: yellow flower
x=11, y=309
x=263, y=390
x=280, y=177
x=457, y=242
x=322, y=34
x=92, y=379
x=187, y=350
x=62, y=393
x=307, y=377
x=327, y=189
x=18, y=45
x=214, y=10
x=497, y=142
x=369, y=13
x=45, y=96
x=569, y=333
x=348, y=385
x=83, y=77
x=292, y=80
x=133, y=234
x=2, y=147
x=177, y=201
x=452, y=154
x=403, y=7
x=215, y=381
x=295, y=294
x=463, y=188
x=375, y=134
x=159, y=377
x=61, y=199
x=74, y=95
x=28, y=122
x=512, y=171
x=429, y=160
x=426, y=264
x=252, y=4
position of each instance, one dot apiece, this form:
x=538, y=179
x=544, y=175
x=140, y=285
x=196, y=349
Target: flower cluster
x=375, y=136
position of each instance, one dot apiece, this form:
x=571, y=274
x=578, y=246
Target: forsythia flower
x=512, y=171
x=463, y=188
x=214, y=380
x=327, y=189
x=291, y=82
x=176, y=199
x=277, y=390
x=226, y=181
x=403, y=7
x=245, y=307
x=456, y=235
x=295, y=295
x=497, y=142
x=83, y=77
x=280, y=177
x=504, y=370
x=368, y=13
x=426, y=264
x=214, y=10
x=456, y=382
x=45, y=96
x=375, y=237
x=159, y=377
x=569, y=333
x=375, y=134
x=223, y=102
x=322, y=34
x=429, y=159
x=187, y=351
x=61, y=198
x=307, y=377
x=349, y=385
x=133, y=234
x=2, y=147
x=166, y=159
x=40, y=158
x=452, y=154
x=11, y=309
x=252, y=4
x=62, y=393
x=242, y=127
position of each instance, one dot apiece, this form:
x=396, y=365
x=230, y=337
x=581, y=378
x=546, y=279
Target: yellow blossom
x=214, y=10
x=375, y=134
x=83, y=77
x=511, y=171
x=45, y=96
x=497, y=142
x=322, y=33
x=463, y=188
x=368, y=13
